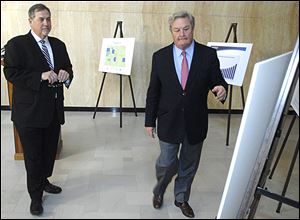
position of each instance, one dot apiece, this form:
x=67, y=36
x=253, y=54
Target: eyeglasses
x=55, y=85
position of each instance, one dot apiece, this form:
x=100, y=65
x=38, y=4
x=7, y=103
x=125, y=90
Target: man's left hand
x=220, y=93
x=63, y=75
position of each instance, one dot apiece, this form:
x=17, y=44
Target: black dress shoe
x=157, y=201
x=185, y=209
x=50, y=188
x=36, y=207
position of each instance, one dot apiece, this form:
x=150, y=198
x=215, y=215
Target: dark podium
x=18, y=146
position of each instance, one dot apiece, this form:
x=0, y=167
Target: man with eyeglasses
x=38, y=65
x=182, y=75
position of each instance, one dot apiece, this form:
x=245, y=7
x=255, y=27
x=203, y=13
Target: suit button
x=183, y=93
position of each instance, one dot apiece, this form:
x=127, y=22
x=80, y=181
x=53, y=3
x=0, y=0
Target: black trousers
x=39, y=147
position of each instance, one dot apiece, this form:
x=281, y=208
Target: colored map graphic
x=115, y=56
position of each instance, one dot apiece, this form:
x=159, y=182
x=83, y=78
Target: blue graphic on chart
x=115, y=56
x=229, y=58
x=233, y=59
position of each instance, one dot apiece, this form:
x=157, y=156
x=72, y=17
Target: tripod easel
x=119, y=25
x=260, y=188
x=296, y=152
x=234, y=28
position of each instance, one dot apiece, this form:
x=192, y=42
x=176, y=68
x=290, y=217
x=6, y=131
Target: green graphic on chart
x=115, y=56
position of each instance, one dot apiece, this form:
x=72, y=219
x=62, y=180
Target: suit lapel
x=37, y=50
x=54, y=50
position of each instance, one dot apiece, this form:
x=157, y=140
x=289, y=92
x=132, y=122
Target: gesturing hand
x=220, y=93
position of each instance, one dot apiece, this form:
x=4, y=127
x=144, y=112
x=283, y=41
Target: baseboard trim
x=125, y=109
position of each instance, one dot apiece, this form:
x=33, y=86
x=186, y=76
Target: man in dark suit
x=38, y=66
x=179, y=103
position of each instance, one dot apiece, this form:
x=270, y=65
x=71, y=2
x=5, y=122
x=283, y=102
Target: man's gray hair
x=181, y=14
x=36, y=8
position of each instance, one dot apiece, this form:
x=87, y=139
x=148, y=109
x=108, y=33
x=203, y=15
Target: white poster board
x=266, y=84
x=116, y=55
x=295, y=99
x=233, y=59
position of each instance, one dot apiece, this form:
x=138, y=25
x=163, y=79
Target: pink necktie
x=184, y=70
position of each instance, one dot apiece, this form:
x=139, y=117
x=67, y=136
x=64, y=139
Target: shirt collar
x=37, y=38
x=187, y=50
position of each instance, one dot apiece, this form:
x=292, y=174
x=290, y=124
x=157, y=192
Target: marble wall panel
x=272, y=27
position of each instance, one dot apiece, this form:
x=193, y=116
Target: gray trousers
x=185, y=165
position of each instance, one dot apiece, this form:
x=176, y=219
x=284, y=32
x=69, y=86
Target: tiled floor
x=108, y=172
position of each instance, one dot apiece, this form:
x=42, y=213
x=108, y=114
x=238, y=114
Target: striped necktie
x=184, y=70
x=46, y=54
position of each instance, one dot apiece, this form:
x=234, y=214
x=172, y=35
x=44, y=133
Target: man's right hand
x=150, y=131
x=51, y=76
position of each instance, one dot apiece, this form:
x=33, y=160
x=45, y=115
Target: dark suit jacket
x=181, y=112
x=33, y=102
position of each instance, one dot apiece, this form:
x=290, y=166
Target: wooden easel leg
x=282, y=146
x=289, y=175
x=243, y=99
x=99, y=95
x=120, y=101
x=132, y=95
x=229, y=115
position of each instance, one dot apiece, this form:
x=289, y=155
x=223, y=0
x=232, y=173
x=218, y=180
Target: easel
x=260, y=190
x=295, y=106
x=296, y=152
x=234, y=28
x=119, y=25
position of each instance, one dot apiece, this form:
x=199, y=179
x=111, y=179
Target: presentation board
x=265, y=86
x=295, y=99
x=233, y=59
x=116, y=55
